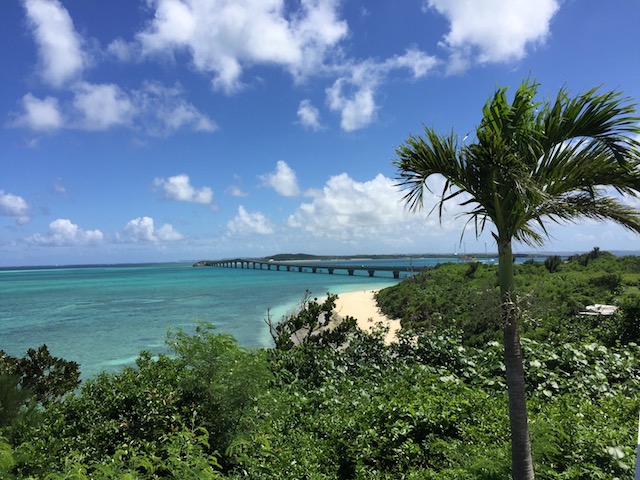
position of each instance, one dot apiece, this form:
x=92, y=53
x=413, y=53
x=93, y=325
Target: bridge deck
x=312, y=267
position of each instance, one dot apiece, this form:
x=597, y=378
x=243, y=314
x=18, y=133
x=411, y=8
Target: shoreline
x=363, y=307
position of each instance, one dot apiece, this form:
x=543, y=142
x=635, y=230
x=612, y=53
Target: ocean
x=103, y=316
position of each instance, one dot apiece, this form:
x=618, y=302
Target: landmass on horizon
x=289, y=257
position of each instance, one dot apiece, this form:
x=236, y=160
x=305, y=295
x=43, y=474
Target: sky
x=180, y=130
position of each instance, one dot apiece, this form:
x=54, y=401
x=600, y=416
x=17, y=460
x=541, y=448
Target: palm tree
x=531, y=163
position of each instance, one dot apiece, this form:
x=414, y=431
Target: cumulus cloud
x=59, y=46
x=493, y=30
x=39, y=115
x=222, y=35
x=417, y=62
x=245, y=223
x=142, y=229
x=283, y=180
x=349, y=210
x=308, y=115
x=102, y=106
x=357, y=109
x=346, y=207
x=179, y=188
x=62, y=232
x=14, y=206
x=153, y=109
x=222, y=38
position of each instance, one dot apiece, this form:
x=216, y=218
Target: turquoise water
x=103, y=316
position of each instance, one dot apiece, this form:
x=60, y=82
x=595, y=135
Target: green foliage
x=583, y=259
x=7, y=460
x=12, y=399
x=167, y=417
x=312, y=323
x=44, y=376
x=222, y=382
x=550, y=301
x=630, y=327
x=432, y=406
x=38, y=378
x=447, y=296
x=552, y=263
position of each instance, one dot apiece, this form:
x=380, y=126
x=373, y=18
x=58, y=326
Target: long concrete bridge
x=309, y=267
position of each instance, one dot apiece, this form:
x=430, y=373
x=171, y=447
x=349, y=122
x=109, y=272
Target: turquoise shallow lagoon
x=102, y=316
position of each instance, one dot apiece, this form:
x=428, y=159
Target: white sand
x=362, y=306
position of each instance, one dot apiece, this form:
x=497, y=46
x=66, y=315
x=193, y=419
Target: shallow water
x=102, y=316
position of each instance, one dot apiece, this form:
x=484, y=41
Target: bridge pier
x=312, y=268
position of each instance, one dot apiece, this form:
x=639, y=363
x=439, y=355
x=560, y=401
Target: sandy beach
x=362, y=306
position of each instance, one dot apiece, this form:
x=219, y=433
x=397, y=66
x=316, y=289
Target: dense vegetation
x=433, y=405
x=550, y=296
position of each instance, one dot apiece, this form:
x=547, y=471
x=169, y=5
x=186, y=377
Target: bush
x=44, y=376
x=552, y=263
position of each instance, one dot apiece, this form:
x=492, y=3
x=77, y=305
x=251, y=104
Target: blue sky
x=165, y=130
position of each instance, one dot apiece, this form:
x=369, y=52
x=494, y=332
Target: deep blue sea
x=103, y=316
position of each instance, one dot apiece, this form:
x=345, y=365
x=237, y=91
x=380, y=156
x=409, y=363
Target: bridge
x=309, y=267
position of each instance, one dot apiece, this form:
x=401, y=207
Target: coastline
x=363, y=307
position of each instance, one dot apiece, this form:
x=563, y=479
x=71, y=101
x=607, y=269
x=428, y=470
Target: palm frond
x=533, y=162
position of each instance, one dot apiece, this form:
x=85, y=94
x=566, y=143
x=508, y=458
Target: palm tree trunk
x=521, y=462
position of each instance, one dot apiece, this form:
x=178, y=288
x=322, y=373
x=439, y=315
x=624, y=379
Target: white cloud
x=61, y=190
x=347, y=210
x=59, y=46
x=102, y=106
x=358, y=109
x=156, y=109
x=236, y=191
x=179, y=188
x=353, y=94
x=120, y=49
x=153, y=109
x=308, y=115
x=418, y=62
x=14, y=206
x=39, y=115
x=283, y=180
x=222, y=35
x=222, y=38
x=142, y=229
x=245, y=223
x=62, y=232
x=164, y=110
x=345, y=207
x=493, y=30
